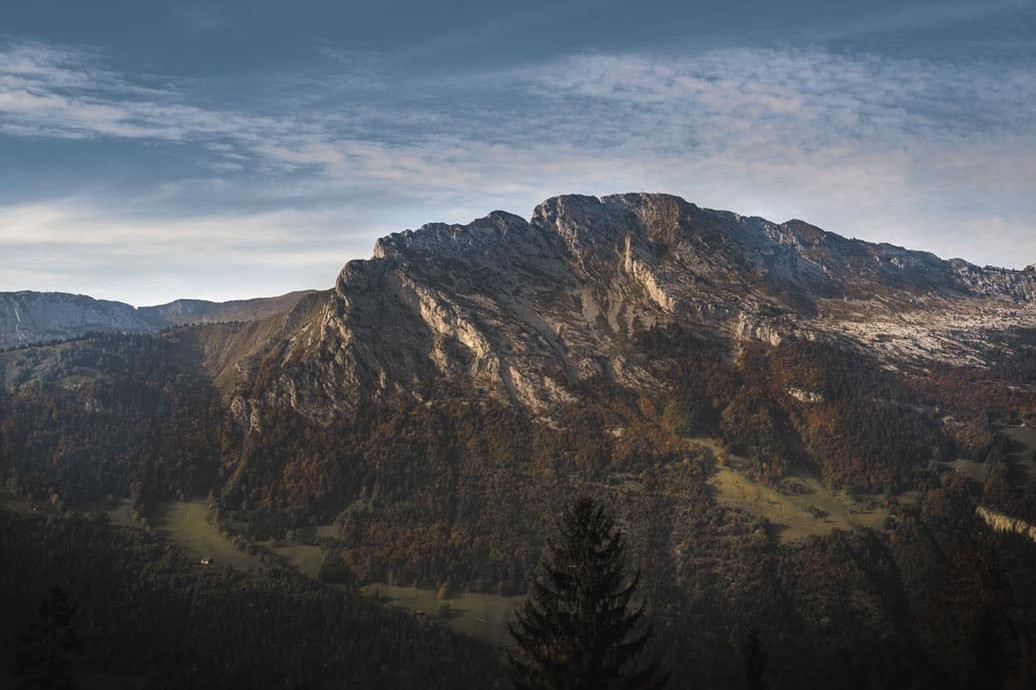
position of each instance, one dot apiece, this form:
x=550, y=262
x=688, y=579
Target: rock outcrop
x=1004, y=523
x=527, y=311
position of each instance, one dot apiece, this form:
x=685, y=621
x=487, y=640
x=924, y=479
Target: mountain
x=32, y=317
x=796, y=430
x=724, y=320
x=186, y=311
x=526, y=311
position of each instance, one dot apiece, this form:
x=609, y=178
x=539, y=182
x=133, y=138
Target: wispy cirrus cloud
x=59, y=92
x=918, y=152
x=759, y=104
x=806, y=99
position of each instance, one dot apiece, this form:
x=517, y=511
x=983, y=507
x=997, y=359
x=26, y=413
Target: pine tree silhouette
x=755, y=661
x=43, y=652
x=578, y=629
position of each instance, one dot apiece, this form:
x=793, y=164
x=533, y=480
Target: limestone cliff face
x=528, y=310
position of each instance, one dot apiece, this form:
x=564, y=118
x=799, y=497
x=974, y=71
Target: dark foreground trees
x=43, y=653
x=755, y=661
x=149, y=617
x=579, y=629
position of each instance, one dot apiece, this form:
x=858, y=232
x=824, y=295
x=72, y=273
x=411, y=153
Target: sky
x=156, y=150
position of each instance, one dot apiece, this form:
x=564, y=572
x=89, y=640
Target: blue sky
x=155, y=150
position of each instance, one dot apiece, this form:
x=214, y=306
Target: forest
x=146, y=617
x=457, y=492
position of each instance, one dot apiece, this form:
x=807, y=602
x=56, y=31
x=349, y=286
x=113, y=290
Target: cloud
x=916, y=152
x=74, y=246
x=54, y=92
x=749, y=105
x=815, y=96
x=863, y=144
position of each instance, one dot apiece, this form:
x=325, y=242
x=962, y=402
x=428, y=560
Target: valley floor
x=191, y=527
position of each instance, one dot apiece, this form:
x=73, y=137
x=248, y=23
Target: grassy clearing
x=1024, y=435
x=975, y=471
x=1021, y=455
x=306, y=558
x=1023, y=440
x=816, y=510
x=188, y=524
x=327, y=531
x=119, y=511
x=190, y=527
x=17, y=504
x=483, y=616
x=800, y=515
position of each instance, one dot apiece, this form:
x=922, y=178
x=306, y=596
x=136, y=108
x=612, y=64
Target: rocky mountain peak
x=581, y=222
x=442, y=239
x=529, y=310
x=526, y=310
x=805, y=233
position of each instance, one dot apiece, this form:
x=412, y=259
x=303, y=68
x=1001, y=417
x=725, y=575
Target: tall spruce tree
x=755, y=661
x=43, y=652
x=578, y=629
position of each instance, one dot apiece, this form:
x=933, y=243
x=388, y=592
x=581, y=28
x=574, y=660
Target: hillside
x=27, y=318
x=33, y=317
x=529, y=311
x=187, y=311
x=776, y=413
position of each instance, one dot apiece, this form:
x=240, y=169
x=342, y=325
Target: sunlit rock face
x=1005, y=523
x=527, y=310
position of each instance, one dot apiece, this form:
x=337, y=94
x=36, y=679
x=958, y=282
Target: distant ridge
x=183, y=311
x=28, y=317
